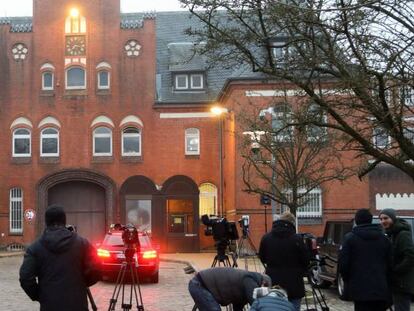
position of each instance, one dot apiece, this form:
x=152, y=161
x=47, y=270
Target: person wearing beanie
x=58, y=267
x=286, y=258
x=365, y=264
x=402, y=281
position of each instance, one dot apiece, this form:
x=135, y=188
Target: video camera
x=244, y=223
x=220, y=228
x=71, y=228
x=129, y=234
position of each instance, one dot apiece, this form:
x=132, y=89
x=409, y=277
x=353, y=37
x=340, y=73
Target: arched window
x=49, y=142
x=47, y=81
x=131, y=142
x=192, y=141
x=16, y=210
x=21, y=142
x=102, y=141
x=208, y=199
x=75, y=23
x=103, y=80
x=75, y=78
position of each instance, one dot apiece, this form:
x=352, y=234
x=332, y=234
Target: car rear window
x=116, y=240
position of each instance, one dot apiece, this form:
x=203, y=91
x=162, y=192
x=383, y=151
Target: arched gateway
x=87, y=196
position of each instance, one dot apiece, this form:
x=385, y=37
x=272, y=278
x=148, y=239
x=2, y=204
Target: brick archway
x=74, y=175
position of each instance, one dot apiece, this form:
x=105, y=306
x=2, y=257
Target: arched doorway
x=181, y=199
x=87, y=197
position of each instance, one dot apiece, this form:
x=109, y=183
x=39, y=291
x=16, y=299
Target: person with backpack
x=402, y=281
x=365, y=264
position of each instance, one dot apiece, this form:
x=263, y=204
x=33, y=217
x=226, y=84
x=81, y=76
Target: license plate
x=120, y=256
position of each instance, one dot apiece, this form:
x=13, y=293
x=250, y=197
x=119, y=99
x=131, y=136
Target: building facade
x=108, y=115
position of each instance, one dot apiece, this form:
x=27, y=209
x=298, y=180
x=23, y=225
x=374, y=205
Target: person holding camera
x=286, y=258
x=402, y=281
x=213, y=287
x=59, y=267
x=365, y=264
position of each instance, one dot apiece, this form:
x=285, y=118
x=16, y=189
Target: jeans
x=296, y=303
x=401, y=301
x=203, y=299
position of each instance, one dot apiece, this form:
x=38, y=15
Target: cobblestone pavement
x=169, y=295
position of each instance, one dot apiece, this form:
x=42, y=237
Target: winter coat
x=64, y=266
x=403, y=257
x=272, y=302
x=365, y=263
x=230, y=285
x=286, y=258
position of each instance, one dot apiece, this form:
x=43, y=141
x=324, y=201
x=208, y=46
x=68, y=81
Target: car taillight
x=103, y=253
x=149, y=254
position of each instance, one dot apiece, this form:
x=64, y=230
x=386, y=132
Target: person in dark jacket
x=213, y=287
x=286, y=258
x=271, y=300
x=365, y=264
x=402, y=282
x=59, y=267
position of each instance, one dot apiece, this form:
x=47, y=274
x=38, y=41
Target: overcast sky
x=24, y=7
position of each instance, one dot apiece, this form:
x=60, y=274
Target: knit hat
x=288, y=216
x=390, y=213
x=363, y=216
x=55, y=215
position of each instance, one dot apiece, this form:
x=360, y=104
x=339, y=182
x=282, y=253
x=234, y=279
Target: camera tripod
x=222, y=258
x=128, y=266
x=247, y=251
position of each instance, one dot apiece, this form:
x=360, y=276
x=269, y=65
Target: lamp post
x=219, y=111
x=262, y=115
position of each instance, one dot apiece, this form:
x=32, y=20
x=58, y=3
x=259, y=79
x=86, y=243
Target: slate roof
x=18, y=24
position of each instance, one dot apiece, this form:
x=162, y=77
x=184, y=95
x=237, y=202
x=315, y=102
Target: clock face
x=75, y=45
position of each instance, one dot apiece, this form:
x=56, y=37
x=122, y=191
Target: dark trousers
x=371, y=305
x=401, y=301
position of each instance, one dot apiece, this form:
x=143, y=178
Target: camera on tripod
x=129, y=234
x=220, y=228
x=244, y=223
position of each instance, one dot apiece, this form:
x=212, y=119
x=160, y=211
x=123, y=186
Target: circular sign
x=29, y=214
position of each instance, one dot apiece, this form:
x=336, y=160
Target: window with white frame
x=208, y=199
x=16, y=210
x=47, y=81
x=281, y=117
x=380, y=138
x=103, y=80
x=21, y=142
x=315, y=132
x=194, y=81
x=102, y=141
x=310, y=203
x=192, y=141
x=49, y=142
x=407, y=95
x=131, y=142
x=75, y=78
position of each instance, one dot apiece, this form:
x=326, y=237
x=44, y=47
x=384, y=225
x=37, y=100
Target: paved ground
x=169, y=295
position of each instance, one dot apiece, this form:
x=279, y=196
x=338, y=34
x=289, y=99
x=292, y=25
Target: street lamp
x=74, y=12
x=219, y=112
x=262, y=116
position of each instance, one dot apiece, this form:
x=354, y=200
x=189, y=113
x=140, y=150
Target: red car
x=111, y=256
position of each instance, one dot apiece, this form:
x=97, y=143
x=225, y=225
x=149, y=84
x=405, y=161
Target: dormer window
x=189, y=82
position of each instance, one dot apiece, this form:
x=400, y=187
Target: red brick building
x=108, y=114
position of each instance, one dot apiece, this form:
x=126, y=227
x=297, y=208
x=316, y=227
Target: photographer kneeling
x=213, y=287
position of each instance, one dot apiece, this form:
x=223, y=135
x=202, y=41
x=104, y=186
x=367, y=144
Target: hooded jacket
x=57, y=269
x=403, y=257
x=365, y=263
x=231, y=286
x=272, y=302
x=286, y=258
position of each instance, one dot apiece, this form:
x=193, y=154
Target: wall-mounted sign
x=29, y=214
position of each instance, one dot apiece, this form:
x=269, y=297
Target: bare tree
x=289, y=163
x=353, y=58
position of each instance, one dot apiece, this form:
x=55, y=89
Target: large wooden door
x=84, y=204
